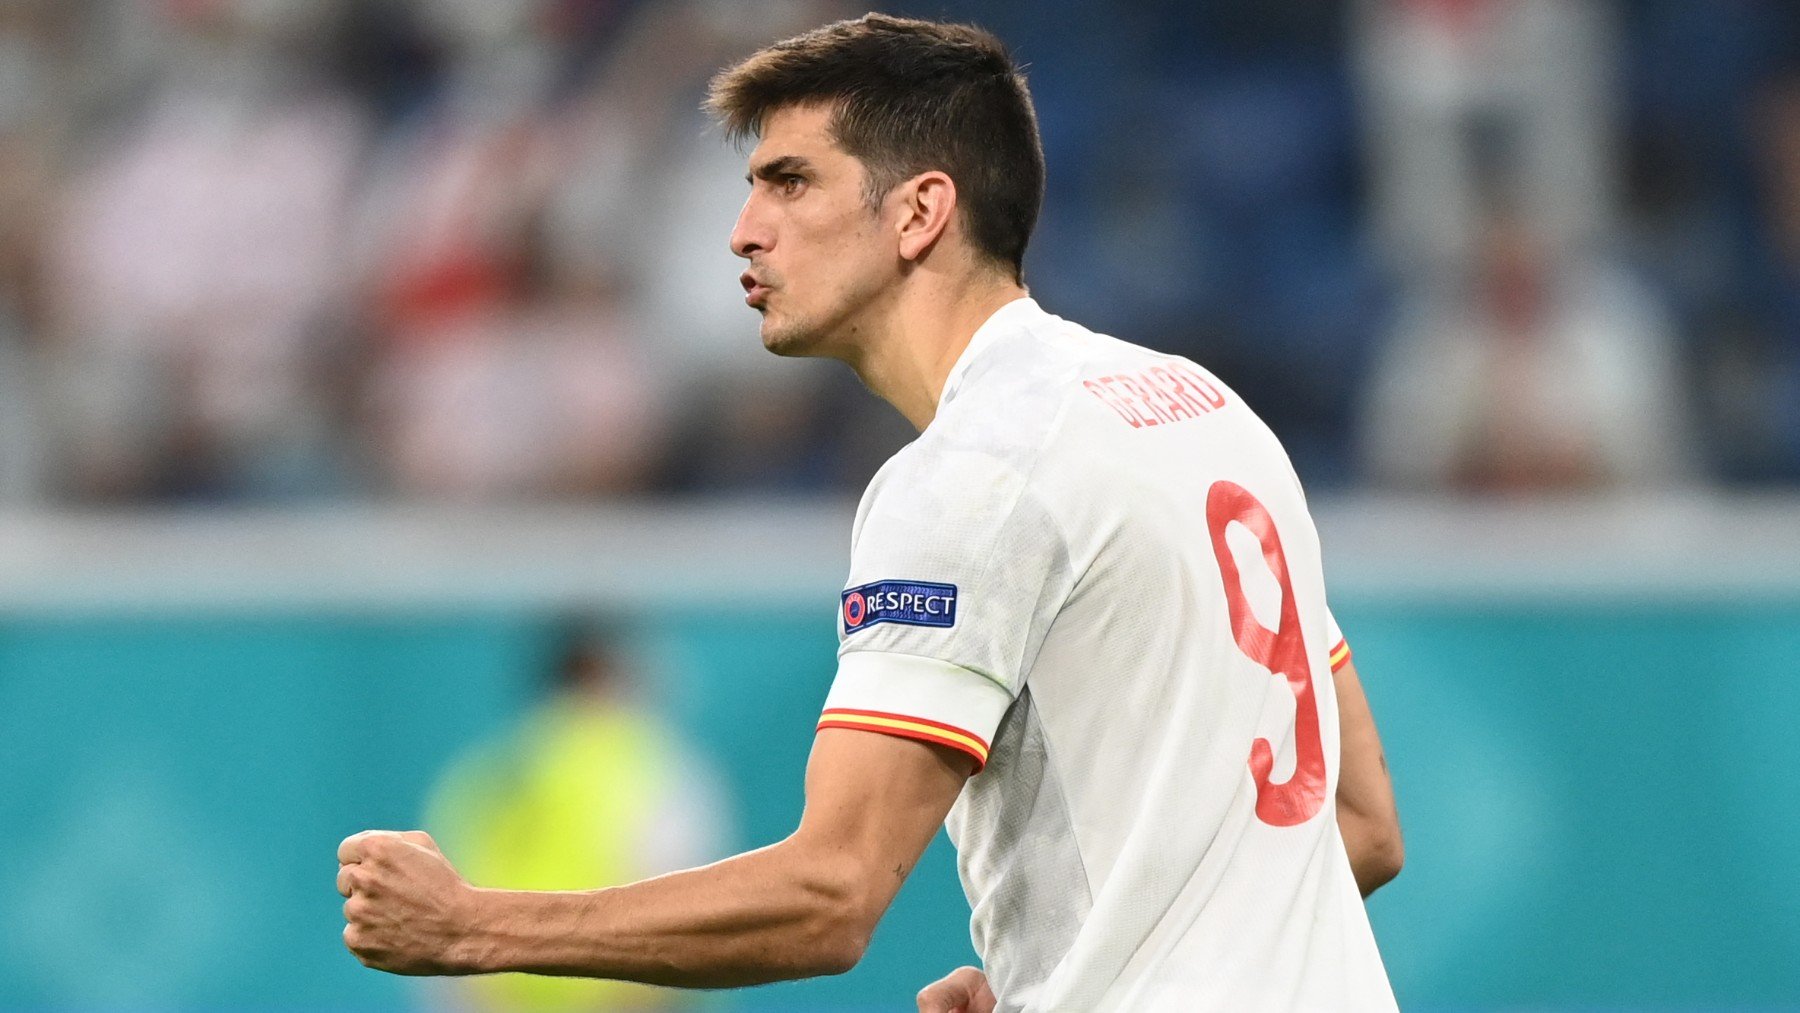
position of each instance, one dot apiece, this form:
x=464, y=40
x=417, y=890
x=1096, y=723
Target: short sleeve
x=1340, y=648
x=956, y=572
x=1339, y=652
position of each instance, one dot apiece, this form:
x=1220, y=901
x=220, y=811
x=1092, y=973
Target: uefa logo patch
x=908, y=602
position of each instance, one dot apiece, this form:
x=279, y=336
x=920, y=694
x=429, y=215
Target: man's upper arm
x=1364, y=789
x=956, y=571
x=874, y=801
x=1363, y=783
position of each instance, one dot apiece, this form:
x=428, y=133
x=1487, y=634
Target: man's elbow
x=1380, y=862
x=835, y=944
x=843, y=922
x=838, y=955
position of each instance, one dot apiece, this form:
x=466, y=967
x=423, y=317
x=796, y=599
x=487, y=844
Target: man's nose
x=749, y=236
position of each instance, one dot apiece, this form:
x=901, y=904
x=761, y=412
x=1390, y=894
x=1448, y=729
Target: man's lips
x=754, y=291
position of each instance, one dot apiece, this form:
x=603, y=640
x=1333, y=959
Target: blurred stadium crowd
x=293, y=250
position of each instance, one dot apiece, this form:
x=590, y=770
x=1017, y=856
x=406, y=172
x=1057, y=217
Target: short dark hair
x=910, y=96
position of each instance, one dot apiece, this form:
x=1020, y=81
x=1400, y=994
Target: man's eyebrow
x=778, y=167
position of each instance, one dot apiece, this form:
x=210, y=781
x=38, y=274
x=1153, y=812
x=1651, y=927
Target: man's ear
x=928, y=202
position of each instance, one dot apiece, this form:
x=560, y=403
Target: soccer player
x=1085, y=618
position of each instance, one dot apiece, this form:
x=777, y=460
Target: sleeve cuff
x=1340, y=655
x=916, y=698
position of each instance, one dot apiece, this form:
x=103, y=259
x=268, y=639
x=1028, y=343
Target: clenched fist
x=407, y=911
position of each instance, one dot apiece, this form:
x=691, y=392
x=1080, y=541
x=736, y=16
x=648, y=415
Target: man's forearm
x=769, y=915
x=804, y=907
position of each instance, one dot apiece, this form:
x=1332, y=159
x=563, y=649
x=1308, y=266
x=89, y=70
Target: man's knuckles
x=358, y=909
x=420, y=838
x=386, y=847
x=360, y=847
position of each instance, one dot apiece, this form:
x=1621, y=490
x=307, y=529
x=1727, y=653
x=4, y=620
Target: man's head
x=882, y=142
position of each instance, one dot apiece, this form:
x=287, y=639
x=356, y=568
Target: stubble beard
x=790, y=339
x=834, y=331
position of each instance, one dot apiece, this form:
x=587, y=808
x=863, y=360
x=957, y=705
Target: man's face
x=819, y=255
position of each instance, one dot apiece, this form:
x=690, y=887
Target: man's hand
x=407, y=910
x=964, y=990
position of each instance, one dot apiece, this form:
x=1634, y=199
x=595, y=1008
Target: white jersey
x=1095, y=573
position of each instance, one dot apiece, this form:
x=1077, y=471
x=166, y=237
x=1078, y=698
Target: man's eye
x=790, y=184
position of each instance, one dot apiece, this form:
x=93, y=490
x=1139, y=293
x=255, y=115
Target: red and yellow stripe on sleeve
x=907, y=727
x=1340, y=655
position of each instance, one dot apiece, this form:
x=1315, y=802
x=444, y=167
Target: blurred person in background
x=40, y=82
x=1536, y=375
x=498, y=369
x=530, y=243
x=195, y=265
x=1526, y=358
x=591, y=789
x=541, y=391
x=1445, y=82
x=456, y=184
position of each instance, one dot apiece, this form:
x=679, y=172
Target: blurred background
x=384, y=442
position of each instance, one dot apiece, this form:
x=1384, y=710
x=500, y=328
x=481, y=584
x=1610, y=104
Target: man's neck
x=928, y=327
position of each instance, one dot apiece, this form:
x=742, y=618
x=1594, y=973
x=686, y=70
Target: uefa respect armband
x=908, y=602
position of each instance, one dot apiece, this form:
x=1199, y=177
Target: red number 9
x=1281, y=650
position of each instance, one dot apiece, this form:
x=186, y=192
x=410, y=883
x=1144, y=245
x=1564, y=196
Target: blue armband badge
x=912, y=602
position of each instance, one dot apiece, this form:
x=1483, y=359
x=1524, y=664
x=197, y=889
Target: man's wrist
x=478, y=948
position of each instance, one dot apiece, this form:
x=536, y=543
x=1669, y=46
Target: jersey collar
x=1014, y=316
